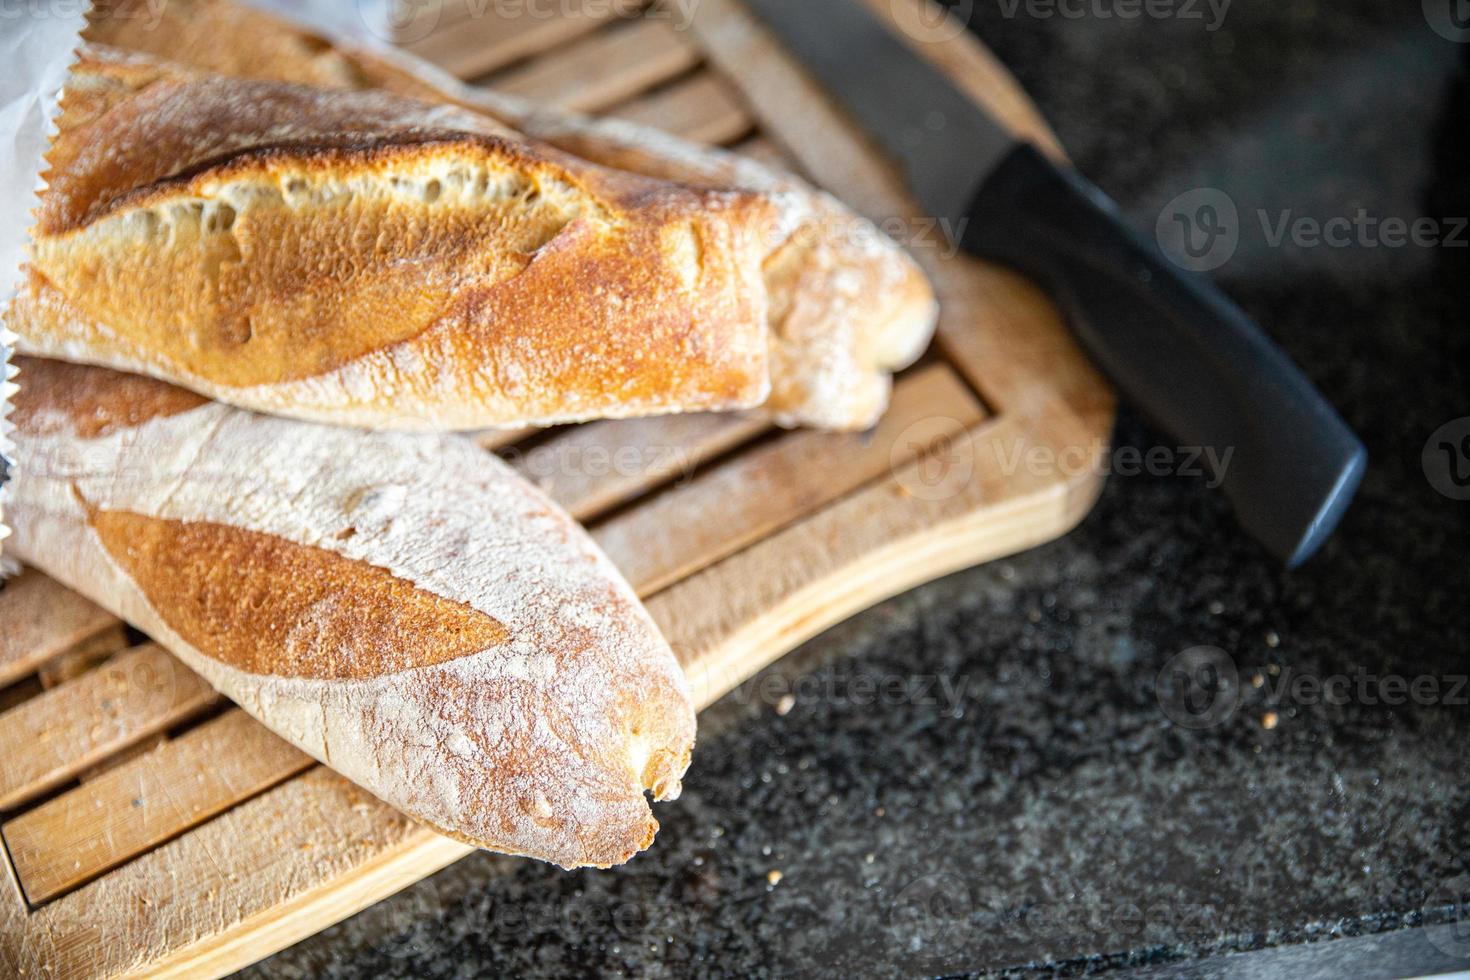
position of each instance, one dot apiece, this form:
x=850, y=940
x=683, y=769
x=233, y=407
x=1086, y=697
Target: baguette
x=846, y=307
x=403, y=608
x=365, y=259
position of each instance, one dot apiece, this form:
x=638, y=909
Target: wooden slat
x=590, y=469
x=604, y=69
x=687, y=528
x=19, y=692
x=122, y=756
x=41, y=618
x=792, y=109
x=1029, y=336
x=763, y=150
x=261, y=864
x=83, y=657
x=493, y=439
x=701, y=108
x=146, y=801
x=496, y=36
x=446, y=15
x=56, y=735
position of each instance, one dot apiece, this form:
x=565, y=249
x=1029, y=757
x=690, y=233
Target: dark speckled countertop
x=1019, y=797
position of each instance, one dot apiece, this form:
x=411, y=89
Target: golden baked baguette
x=846, y=307
x=362, y=258
x=402, y=607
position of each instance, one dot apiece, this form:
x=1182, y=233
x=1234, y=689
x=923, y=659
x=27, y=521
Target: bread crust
x=403, y=608
x=358, y=257
x=846, y=307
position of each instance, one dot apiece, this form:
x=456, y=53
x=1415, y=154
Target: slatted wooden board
x=150, y=827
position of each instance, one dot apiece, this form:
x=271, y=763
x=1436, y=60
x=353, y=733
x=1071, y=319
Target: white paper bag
x=38, y=40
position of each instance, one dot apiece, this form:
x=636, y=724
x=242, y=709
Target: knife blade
x=1178, y=350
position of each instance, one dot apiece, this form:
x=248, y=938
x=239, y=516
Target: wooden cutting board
x=150, y=827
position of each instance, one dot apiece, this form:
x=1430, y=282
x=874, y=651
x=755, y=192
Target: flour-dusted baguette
x=366, y=259
x=846, y=307
x=403, y=608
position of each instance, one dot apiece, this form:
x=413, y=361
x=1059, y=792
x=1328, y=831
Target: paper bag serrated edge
x=7, y=445
x=53, y=40
x=8, y=389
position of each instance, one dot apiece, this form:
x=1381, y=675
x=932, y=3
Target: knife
x=1185, y=356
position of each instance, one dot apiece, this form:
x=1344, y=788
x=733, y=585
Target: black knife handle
x=1178, y=349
